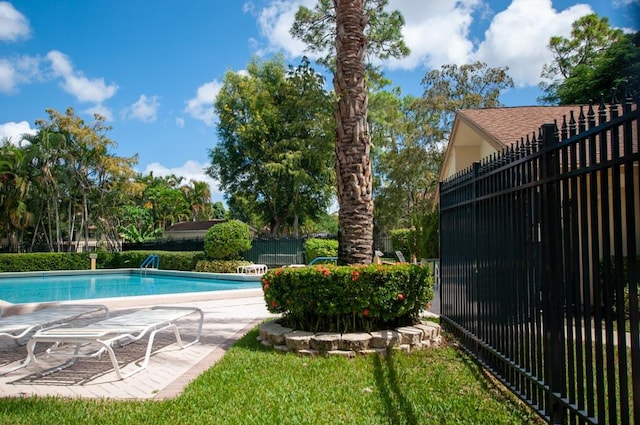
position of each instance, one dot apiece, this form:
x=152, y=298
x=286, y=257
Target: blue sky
x=153, y=68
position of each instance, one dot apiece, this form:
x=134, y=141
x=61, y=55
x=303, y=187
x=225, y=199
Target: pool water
x=49, y=287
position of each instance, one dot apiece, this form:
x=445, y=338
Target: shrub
x=315, y=247
x=220, y=266
x=348, y=298
x=169, y=260
x=46, y=261
x=225, y=241
x=404, y=240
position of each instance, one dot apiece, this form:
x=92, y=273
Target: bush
x=314, y=248
x=331, y=298
x=225, y=241
x=47, y=261
x=404, y=240
x=220, y=266
x=44, y=261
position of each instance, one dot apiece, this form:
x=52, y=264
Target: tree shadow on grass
x=399, y=409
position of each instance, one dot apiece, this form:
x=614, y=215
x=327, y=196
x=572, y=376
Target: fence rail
x=540, y=269
x=273, y=252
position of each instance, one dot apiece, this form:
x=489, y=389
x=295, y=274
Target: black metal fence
x=539, y=266
x=273, y=252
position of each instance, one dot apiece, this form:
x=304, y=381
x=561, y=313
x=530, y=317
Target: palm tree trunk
x=352, y=136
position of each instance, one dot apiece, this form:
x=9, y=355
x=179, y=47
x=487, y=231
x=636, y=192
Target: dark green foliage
x=276, y=130
x=594, y=60
x=315, y=247
x=348, y=298
x=225, y=241
x=169, y=260
x=44, y=261
x=220, y=266
x=404, y=240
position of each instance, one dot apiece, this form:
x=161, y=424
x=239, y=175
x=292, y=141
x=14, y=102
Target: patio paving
x=228, y=316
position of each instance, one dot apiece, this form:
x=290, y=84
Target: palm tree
x=14, y=187
x=352, y=135
x=198, y=196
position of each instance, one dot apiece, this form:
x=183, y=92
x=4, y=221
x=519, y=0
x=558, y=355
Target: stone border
x=407, y=338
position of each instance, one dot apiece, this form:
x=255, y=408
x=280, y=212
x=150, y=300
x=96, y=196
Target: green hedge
x=220, y=266
x=331, y=298
x=315, y=247
x=46, y=261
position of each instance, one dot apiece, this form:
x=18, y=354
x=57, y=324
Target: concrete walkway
x=228, y=315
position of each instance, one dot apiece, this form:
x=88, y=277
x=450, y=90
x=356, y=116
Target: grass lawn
x=255, y=385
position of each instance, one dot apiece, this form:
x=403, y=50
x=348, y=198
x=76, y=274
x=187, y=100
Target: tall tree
x=72, y=169
x=413, y=134
x=454, y=87
x=15, y=184
x=348, y=31
x=594, y=60
x=275, y=151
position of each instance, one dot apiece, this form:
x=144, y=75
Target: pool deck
x=228, y=315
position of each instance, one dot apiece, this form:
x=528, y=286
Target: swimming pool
x=36, y=287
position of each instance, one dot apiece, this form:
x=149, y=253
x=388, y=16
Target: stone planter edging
x=406, y=338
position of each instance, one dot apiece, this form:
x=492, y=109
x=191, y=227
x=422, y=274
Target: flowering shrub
x=348, y=298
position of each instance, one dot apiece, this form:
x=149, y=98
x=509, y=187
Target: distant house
x=478, y=133
x=190, y=229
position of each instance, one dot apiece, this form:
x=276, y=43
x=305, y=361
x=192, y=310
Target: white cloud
x=623, y=3
x=100, y=109
x=14, y=131
x=13, y=24
x=441, y=33
x=8, y=76
x=190, y=170
x=201, y=106
x=20, y=70
x=436, y=35
x=518, y=37
x=76, y=84
x=180, y=122
x=275, y=21
x=144, y=109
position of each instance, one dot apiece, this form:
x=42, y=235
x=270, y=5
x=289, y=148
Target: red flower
x=326, y=272
x=265, y=287
x=355, y=275
x=401, y=296
x=278, y=271
x=274, y=304
x=365, y=312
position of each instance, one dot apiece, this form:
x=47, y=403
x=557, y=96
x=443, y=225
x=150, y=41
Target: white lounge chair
x=20, y=325
x=122, y=329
